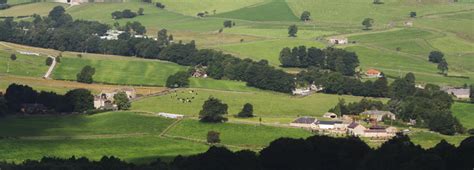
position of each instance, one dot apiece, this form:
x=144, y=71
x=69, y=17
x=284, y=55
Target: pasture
x=270, y=10
x=24, y=65
x=271, y=106
x=465, y=114
x=30, y=9
x=191, y=8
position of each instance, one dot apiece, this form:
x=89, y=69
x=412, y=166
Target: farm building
x=355, y=129
x=105, y=99
x=378, y=114
x=200, y=72
x=373, y=73
x=379, y=132
x=170, y=115
x=462, y=93
x=303, y=122
x=338, y=40
x=329, y=125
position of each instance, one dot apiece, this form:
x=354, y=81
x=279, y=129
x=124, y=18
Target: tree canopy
x=247, y=111
x=367, y=23
x=292, y=30
x=213, y=111
x=86, y=74
x=122, y=101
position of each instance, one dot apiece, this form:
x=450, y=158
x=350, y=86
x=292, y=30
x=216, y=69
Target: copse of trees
x=126, y=13
x=322, y=152
x=177, y=80
x=334, y=59
x=213, y=111
x=355, y=108
x=430, y=107
x=78, y=100
x=86, y=74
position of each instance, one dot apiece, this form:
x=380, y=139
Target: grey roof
x=353, y=125
x=305, y=120
x=329, y=122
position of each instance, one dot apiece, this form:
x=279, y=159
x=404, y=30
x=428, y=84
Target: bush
x=13, y=57
x=213, y=137
x=86, y=74
x=49, y=61
x=247, y=111
x=160, y=5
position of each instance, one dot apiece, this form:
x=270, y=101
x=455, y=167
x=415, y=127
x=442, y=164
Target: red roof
x=373, y=71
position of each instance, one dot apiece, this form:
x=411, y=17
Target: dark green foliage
x=305, y=16
x=292, y=30
x=13, y=57
x=140, y=11
x=136, y=27
x=443, y=67
x=80, y=100
x=59, y=17
x=228, y=24
x=86, y=74
x=3, y=106
x=126, y=13
x=413, y=14
x=367, y=23
x=49, y=61
x=436, y=56
x=3, y=1
x=213, y=111
x=247, y=111
x=147, y=1
x=177, y=80
x=163, y=37
x=403, y=87
x=16, y=95
x=213, y=137
x=160, y=5
x=122, y=101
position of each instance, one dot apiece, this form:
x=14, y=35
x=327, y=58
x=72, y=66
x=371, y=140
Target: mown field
x=24, y=65
x=465, y=113
x=30, y=9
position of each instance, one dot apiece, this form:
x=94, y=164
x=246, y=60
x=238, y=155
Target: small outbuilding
x=330, y=115
x=338, y=40
x=373, y=73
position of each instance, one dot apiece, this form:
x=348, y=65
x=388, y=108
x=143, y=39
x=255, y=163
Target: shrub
x=213, y=137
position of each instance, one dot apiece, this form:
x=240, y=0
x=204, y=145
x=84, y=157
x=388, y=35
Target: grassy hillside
x=121, y=70
x=191, y=8
x=351, y=13
x=270, y=10
x=269, y=105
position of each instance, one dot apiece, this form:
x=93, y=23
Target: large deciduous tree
x=305, y=16
x=247, y=111
x=367, y=23
x=86, y=74
x=443, y=67
x=177, y=80
x=436, y=56
x=213, y=110
x=292, y=30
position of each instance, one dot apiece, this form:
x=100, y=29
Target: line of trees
x=334, y=59
x=17, y=96
x=316, y=152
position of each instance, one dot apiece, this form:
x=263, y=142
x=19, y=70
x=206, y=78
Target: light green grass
x=465, y=113
x=192, y=7
x=277, y=33
x=119, y=70
x=30, y=9
x=228, y=85
x=430, y=139
x=266, y=104
x=266, y=50
x=24, y=65
x=15, y=2
x=271, y=10
x=253, y=136
x=352, y=12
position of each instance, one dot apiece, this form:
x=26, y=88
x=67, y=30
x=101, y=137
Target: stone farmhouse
x=105, y=99
x=356, y=129
x=378, y=115
x=303, y=122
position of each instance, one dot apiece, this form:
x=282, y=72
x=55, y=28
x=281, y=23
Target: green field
x=24, y=65
x=465, y=113
x=269, y=105
x=30, y=9
x=252, y=136
x=429, y=139
x=120, y=70
x=192, y=7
